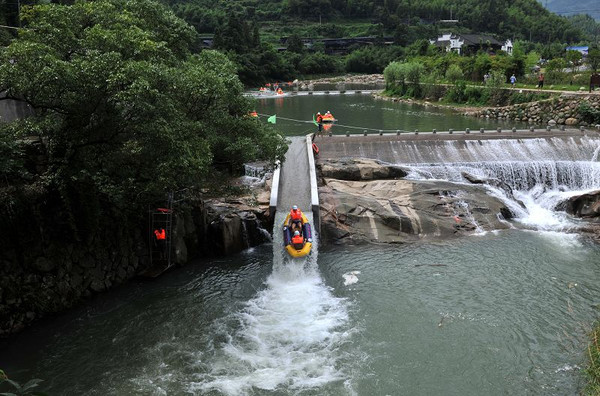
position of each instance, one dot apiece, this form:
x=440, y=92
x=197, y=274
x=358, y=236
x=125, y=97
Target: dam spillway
x=423, y=148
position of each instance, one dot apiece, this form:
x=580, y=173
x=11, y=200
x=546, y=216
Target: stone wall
x=39, y=278
x=563, y=111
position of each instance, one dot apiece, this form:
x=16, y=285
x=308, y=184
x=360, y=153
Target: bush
x=454, y=73
x=371, y=59
x=589, y=114
x=318, y=63
x=456, y=94
x=404, y=79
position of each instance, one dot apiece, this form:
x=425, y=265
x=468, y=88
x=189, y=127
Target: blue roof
x=574, y=48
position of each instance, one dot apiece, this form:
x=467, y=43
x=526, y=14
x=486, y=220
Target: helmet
x=318, y=112
x=294, y=207
x=296, y=233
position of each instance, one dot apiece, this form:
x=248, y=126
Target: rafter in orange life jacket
x=160, y=234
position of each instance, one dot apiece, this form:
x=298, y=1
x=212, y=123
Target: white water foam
x=286, y=337
x=534, y=175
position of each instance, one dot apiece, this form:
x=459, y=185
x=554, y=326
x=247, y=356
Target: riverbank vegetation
x=124, y=112
x=593, y=369
x=259, y=36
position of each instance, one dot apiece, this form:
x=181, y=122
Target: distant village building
x=584, y=50
x=471, y=43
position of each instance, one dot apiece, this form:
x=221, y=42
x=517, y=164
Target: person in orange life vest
x=295, y=219
x=320, y=121
x=297, y=240
x=161, y=241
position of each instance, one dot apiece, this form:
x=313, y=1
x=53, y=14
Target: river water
x=502, y=312
x=357, y=112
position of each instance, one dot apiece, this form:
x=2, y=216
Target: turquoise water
x=495, y=313
x=502, y=313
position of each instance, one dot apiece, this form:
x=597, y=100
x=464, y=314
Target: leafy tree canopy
x=124, y=110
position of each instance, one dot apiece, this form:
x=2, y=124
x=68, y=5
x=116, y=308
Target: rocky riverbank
x=372, y=80
x=564, y=110
x=41, y=278
x=367, y=201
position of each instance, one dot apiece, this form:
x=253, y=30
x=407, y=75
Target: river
x=357, y=112
x=503, y=312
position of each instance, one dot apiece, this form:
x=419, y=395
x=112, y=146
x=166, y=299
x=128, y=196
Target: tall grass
x=593, y=370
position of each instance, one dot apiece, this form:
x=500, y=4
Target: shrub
x=454, y=73
x=318, y=63
x=589, y=114
x=456, y=94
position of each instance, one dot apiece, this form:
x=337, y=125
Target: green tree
x=295, y=44
x=573, y=58
x=124, y=110
x=593, y=58
x=454, y=74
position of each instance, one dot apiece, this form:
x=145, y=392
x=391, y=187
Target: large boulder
x=359, y=169
x=397, y=211
x=584, y=205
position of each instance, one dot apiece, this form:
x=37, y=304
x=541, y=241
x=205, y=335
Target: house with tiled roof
x=471, y=43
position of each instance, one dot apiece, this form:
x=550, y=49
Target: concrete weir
x=431, y=147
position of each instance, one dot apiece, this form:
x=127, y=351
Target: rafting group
x=273, y=88
x=297, y=234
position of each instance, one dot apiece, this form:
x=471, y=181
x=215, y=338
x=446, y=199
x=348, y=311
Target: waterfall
x=536, y=173
x=255, y=173
x=287, y=336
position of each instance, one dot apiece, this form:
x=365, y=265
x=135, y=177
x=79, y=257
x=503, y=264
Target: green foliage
x=407, y=20
x=124, y=110
x=593, y=369
x=454, y=73
x=371, y=59
x=404, y=79
x=573, y=59
x=589, y=114
x=318, y=63
x=17, y=389
x=593, y=58
x=295, y=44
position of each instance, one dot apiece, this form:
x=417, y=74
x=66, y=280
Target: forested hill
x=518, y=19
x=570, y=7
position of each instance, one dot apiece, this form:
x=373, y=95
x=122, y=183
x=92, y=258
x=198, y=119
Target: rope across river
x=339, y=125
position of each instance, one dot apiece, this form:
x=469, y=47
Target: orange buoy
x=315, y=149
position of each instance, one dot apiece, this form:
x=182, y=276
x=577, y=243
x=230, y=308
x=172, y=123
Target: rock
x=571, y=121
x=97, y=285
x=584, y=205
x=42, y=264
x=397, y=211
x=359, y=169
x=472, y=178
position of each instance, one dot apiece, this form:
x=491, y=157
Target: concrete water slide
x=295, y=183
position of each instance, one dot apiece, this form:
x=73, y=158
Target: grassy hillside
x=517, y=19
